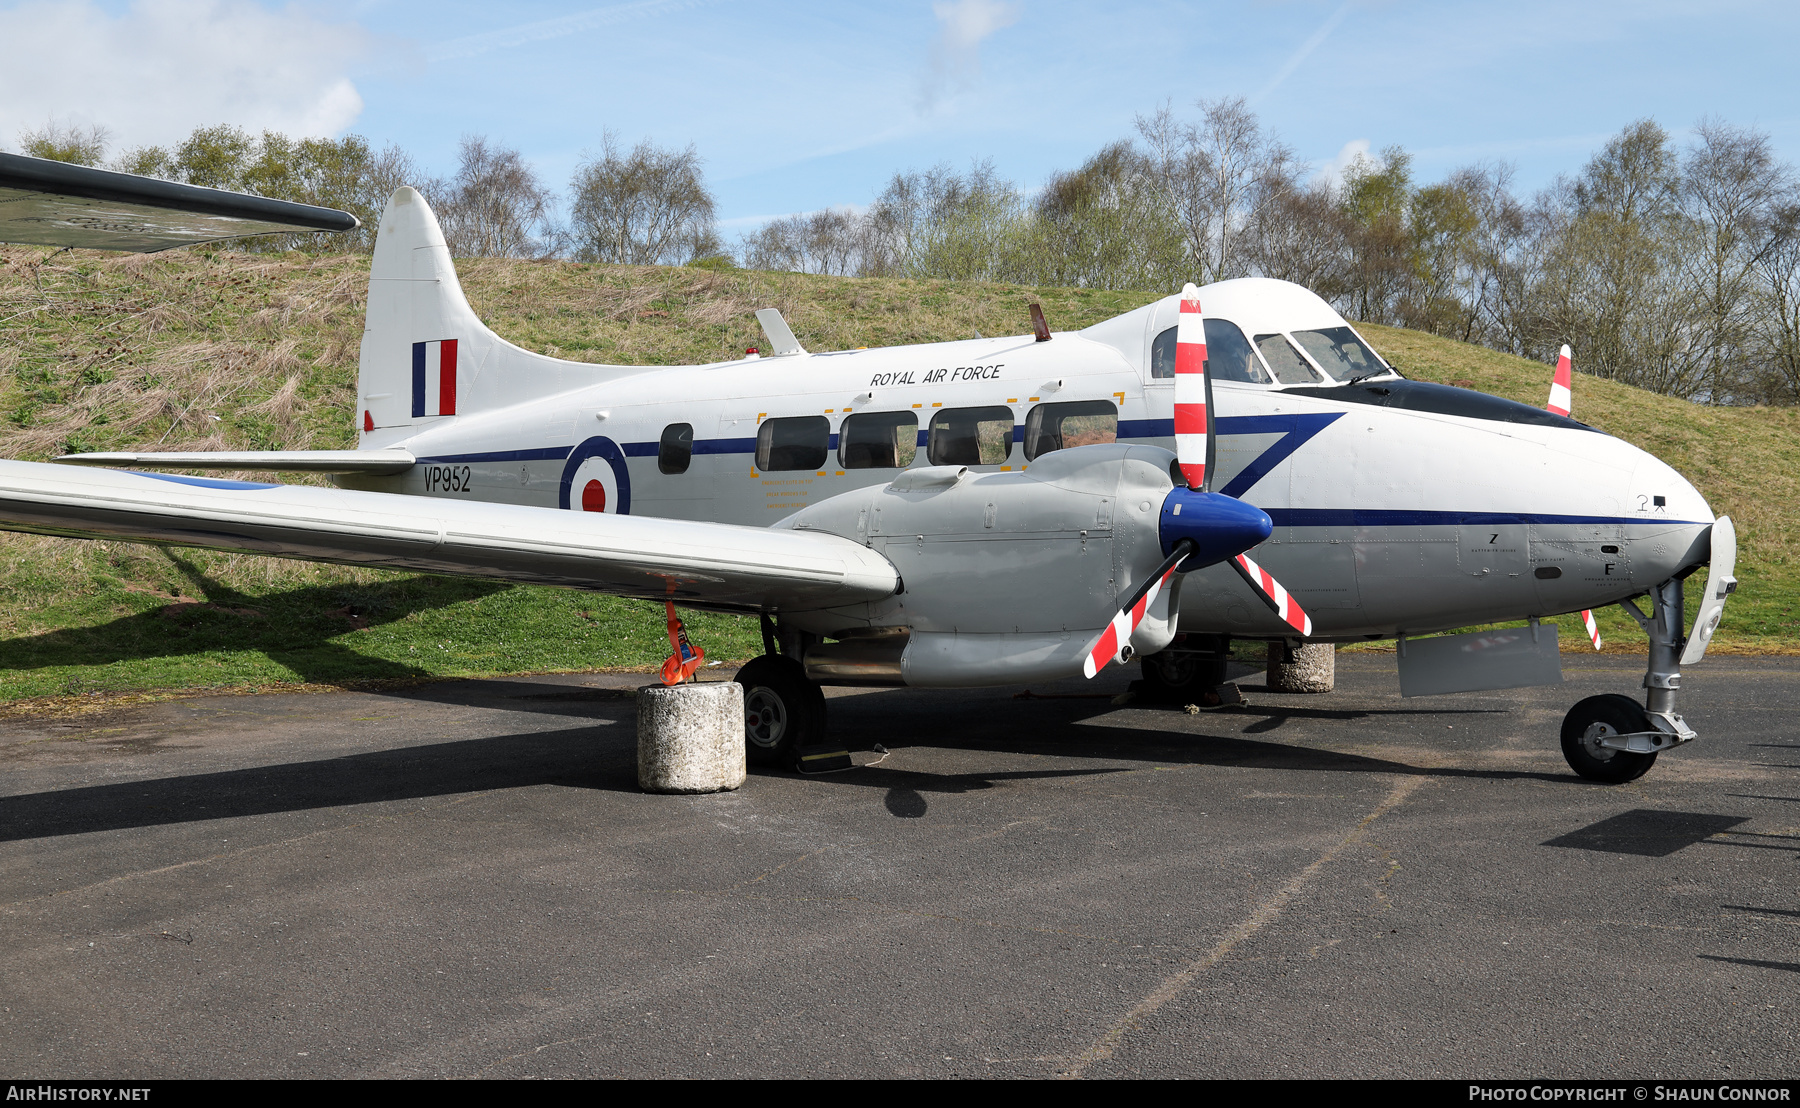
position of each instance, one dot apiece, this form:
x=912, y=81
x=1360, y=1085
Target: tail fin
x=425, y=356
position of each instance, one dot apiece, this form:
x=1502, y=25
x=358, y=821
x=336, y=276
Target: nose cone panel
x=1221, y=526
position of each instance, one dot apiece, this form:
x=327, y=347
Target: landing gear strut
x=1612, y=738
x=784, y=711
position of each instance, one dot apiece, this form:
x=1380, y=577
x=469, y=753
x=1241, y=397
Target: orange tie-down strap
x=687, y=657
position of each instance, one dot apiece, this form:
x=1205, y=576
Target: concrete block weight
x=691, y=738
x=1312, y=670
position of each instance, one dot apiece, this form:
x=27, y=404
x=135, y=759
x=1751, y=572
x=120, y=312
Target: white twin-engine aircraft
x=986, y=512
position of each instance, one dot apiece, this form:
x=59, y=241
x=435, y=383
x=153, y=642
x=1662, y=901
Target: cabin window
x=676, y=449
x=878, y=440
x=1289, y=367
x=1082, y=423
x=799, y=442
x=1228, y=354
x=1340, y=353
x=971, y=436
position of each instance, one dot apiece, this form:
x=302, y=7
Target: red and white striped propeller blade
x=1562, y=403
x=1109, y=646
x=1559, y=385
x=1193, y=422
x=1273, y=595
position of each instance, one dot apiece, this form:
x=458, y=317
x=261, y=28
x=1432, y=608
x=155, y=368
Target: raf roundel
x=595, y=479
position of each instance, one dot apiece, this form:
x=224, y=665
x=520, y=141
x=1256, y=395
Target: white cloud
x=1332, y=170
x=956, y=51
x=160, y=68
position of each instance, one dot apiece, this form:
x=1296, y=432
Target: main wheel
x=783, y=711
x=1600, y=717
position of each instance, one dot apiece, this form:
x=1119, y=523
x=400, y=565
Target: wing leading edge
x=49, y=203
x=379, y=462
x=716, y=565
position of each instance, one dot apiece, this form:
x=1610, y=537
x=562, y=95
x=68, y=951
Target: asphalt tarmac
x=462, y=880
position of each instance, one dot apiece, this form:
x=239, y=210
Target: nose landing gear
x=1612, y=738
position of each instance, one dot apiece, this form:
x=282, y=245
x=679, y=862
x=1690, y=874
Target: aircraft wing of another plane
x=377, y=462
x=50, y=203
x=713, y=565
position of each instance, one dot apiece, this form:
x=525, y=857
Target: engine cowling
x=1008, y=576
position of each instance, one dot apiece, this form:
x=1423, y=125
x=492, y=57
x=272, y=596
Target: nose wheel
x=783, y=711
x=1587, y=728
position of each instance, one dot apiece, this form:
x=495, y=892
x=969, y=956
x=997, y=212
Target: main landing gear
x=784, y=711
x=1613, y=738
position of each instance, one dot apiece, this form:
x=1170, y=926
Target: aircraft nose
x=1220, y=526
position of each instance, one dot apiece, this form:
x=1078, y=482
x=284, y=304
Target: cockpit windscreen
x=1228, y=354
x=1340, y=353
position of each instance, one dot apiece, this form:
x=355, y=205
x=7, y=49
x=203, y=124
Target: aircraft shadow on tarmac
x=295, y=628
x=605, y=759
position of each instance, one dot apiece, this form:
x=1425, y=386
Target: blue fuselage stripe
x=542, y=454
x=1390, y=517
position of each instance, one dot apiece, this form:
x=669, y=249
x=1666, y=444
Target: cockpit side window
x=1290, y=368
x=1340, y=353
x=1228, y=354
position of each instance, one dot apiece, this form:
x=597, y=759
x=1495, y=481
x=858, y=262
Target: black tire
x=783, y=712
x=1177, y=674
x=1595, y=717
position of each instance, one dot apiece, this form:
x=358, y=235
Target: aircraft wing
x=713, y=565
x=49, y=203
x=378, y=462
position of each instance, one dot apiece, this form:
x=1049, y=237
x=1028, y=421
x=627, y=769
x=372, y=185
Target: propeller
x=1561, y=403
x=1559, y=385
x=1199, y=527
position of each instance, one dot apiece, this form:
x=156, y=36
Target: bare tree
x=650, y=206
x=1779, y=329
x=947, y=225
x=67, y=142
x=495, y=206
x=1107, y=225
x=1731, y=187
x=1214, y=175
x=832, y=240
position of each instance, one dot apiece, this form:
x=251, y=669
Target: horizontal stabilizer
x=376, y=462
x=50, y=203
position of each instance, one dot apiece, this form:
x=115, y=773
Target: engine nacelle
x=1024, y=567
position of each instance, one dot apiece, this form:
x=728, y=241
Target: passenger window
x=1290, y=368
x=800, y=442
x=1082, y=423
x=971, y=436
x=879, y=440
x=676, y=449
x=1228, y=354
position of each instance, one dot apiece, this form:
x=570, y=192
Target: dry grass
x=197, y=350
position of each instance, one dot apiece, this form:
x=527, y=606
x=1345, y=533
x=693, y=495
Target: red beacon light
x=750, y=352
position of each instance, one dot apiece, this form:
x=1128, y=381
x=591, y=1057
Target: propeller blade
x=1562, y=403
x=1193, y=420
x=1110, y=644
x=1273, y=595
x=1559, y=386
x=1593, y=629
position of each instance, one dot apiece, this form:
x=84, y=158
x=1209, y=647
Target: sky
x=800, y=106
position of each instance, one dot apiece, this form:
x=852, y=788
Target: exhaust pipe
x=868, y=660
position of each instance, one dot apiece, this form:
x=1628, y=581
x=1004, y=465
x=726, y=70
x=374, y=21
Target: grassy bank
x=197, y=350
